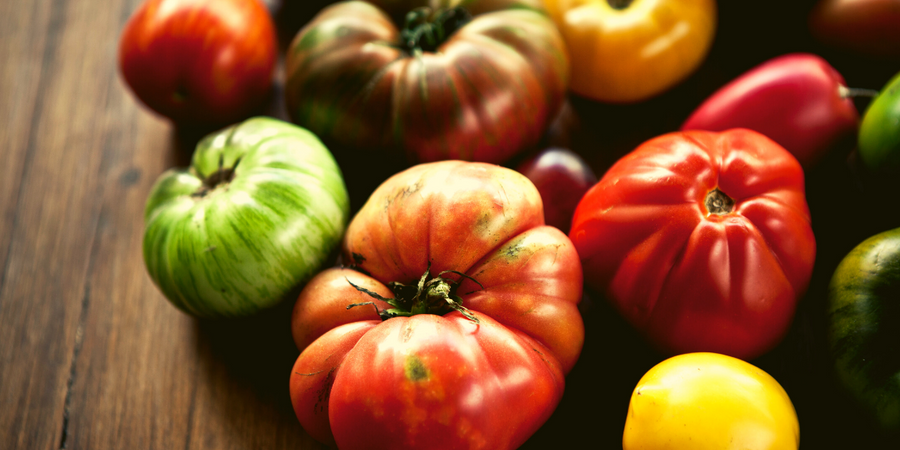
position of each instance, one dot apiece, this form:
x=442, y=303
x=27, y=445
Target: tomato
x=630, y=50
x=878, y=141
x=701, y=240
x=200, y=62
x=863, y=323
x=258, y=212
x=861, y=26
x=481, y=326
x=797, y=100
x=476, y=82
x=562, y=177
x=710, y=401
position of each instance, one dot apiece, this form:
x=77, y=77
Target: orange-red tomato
x=630, y=50
x=418, y=372
x=200, y=62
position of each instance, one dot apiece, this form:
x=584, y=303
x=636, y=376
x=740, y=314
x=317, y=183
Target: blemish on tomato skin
x=414, y=369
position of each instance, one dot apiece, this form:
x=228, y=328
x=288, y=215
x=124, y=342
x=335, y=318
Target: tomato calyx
x=435, y=295
x=223, y=175
x=426, y=29
x=718, y=203
x=619, y=4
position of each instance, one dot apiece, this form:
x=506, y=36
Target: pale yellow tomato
x=625, y=51
x=700, y=401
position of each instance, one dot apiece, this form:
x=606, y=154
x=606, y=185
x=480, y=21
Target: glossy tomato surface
x=200, y=62
x=562, y=177
x=630, y=50
x=798, y=100
x=701, y=240
x=709, y=401
x=404, y=372
x=483, y=89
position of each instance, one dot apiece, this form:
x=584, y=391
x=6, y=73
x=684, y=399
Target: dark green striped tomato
x=477, y=82
x=864, y=325
x=257, y=213
x=879, y=133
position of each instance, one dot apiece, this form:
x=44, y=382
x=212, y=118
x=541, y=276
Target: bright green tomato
x=879, y=131
x=864, y=325
x=257, y=213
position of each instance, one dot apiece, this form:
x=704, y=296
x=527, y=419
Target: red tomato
x=562, y=177
x=862, y=26
x=798, y=100
x=702, y=241
x=200, y=62
x=473, y=361
x=479, y=81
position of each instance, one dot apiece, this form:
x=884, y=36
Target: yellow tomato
x=629, y=50
x=700, y=401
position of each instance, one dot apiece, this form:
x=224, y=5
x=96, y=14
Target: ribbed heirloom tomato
x=702, y=240
x=457, y=324
x=444, y=79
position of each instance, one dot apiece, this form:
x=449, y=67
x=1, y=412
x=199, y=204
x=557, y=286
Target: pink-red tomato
x=798, y=100
x=562, y=177
x=702, y=241
x=481, y=327
x=200, y=62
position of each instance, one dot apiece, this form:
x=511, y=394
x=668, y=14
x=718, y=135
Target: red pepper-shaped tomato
x=458, y=325
x=478, y=81
x=702, y=241
x=798, y=100
x=200, y=62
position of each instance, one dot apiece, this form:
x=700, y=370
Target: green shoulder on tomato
x=259, y=211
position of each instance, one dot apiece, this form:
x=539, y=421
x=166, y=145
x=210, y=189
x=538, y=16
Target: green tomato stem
x=426, y=29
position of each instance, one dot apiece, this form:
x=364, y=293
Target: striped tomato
x=477, y=81
x=258, y=212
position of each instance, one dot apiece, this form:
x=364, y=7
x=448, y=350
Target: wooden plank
x=50, y=213
x=149, y=376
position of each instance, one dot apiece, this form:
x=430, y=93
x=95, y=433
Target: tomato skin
x=453, y=384
x=688, y=279
x=634, y=53
x=562, y=177
x=863, y=318
x=199, y=62
x=486, y=93
x=878, y=140
x=468, y=385
x=861, y=26
x=709, y=401
x=797, y=100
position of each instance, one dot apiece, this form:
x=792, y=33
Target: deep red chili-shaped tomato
x=478, y=81
x=861, y=26
x=702, y=241
x=200, y=62
x=457, y=324
x=798, y=100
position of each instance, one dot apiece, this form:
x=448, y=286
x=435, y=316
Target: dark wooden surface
x=93, y=357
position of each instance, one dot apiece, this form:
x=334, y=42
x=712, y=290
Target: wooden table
x=93, y=357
